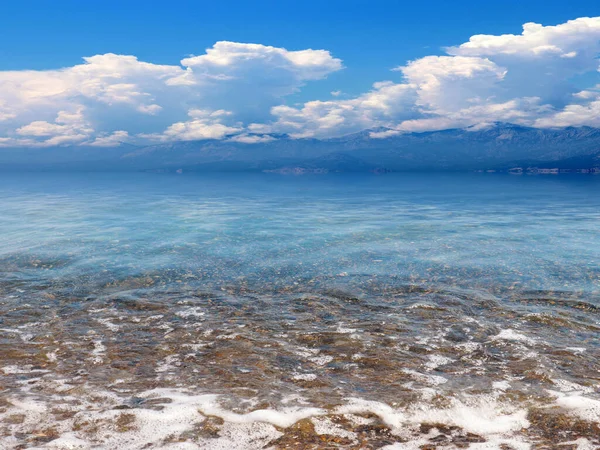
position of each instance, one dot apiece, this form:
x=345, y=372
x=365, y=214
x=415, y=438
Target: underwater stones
x=14, y=419
x=141, y=305
x=447, y=435
x=457, y=334
x=63, y=414
x=44, y=436
x=209, y=427
x=377, y=363
x=374, y=435
x=552, y=423
x=270, y=354
x=536, y=375
x=125, y=422
x=302, y=435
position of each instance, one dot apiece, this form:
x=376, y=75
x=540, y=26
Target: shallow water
x=264, y=311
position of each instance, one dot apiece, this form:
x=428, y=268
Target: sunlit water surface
x=264, y=311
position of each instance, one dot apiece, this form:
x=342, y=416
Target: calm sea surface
x=265, y=311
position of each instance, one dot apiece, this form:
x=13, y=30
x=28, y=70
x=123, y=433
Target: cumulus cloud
x=524, y=79
x=203, y=124
x=569, y=39
x=247, y=79
x=386, y=103
x=583, y=114
x=238, y=91
x=252, y=138
x=111, y=139
x=69, y=127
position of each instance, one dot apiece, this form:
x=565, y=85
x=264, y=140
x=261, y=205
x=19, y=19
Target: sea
x=264, y=311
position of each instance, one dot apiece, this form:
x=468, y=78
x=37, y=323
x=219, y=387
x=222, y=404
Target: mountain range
x=498, y=146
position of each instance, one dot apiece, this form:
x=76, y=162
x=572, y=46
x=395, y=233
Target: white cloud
x=448, y=83
x=524, y=79
x=238, y=92
x=111, y=140
x=386, y=103
x=572, y=37
x=109, y=89
x=573, y=115
x=384, y=134
x=252, y=139
x=204, y=124
x=226, y=60
x=69, y=127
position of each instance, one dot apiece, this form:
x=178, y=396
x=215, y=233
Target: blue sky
x=368, y=38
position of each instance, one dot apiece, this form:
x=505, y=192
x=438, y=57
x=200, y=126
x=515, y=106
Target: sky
x=102, y=73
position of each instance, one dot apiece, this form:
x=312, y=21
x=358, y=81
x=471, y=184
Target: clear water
x=265, y=311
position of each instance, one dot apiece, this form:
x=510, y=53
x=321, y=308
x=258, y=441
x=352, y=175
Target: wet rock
x=553, y=423
x=209, y=428
x=302, y=435
x=125, y=422
x=14, y=419
x=374, y=435
x=44, y=436
x=457, y=334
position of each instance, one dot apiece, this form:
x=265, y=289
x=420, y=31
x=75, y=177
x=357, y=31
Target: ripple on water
x=182, y=367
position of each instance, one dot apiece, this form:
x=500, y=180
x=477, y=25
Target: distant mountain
x=499, y=145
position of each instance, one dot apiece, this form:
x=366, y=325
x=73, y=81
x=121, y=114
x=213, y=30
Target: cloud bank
x=239, y=92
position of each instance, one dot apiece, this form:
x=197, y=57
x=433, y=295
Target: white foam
x=282, y=418
x=583, y=407
x=469, y=347
x=192, y=311
x=493, y=444
x=13, y=370
x=156, y=317
x=306, y=352
x=512, y=335
x=484, y=417
x=421, y=306
x=182, y=412
x=436, y=361
x=99, y=349
x=25, y=337
x=227, y=337
x=324, y=426
x=391, y=417
x=108, y=324
x=312, y=354
x=305, y=377
x=568, y=386
x=167, y=364
x=433, y=380
x=321, y=360
x=501, y=385
x=582, y=444
x=343, y=330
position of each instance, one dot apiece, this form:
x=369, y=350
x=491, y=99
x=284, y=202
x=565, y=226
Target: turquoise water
x=536, y=232
x=472, y=294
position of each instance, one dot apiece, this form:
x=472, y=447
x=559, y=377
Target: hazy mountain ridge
x=499, y=145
